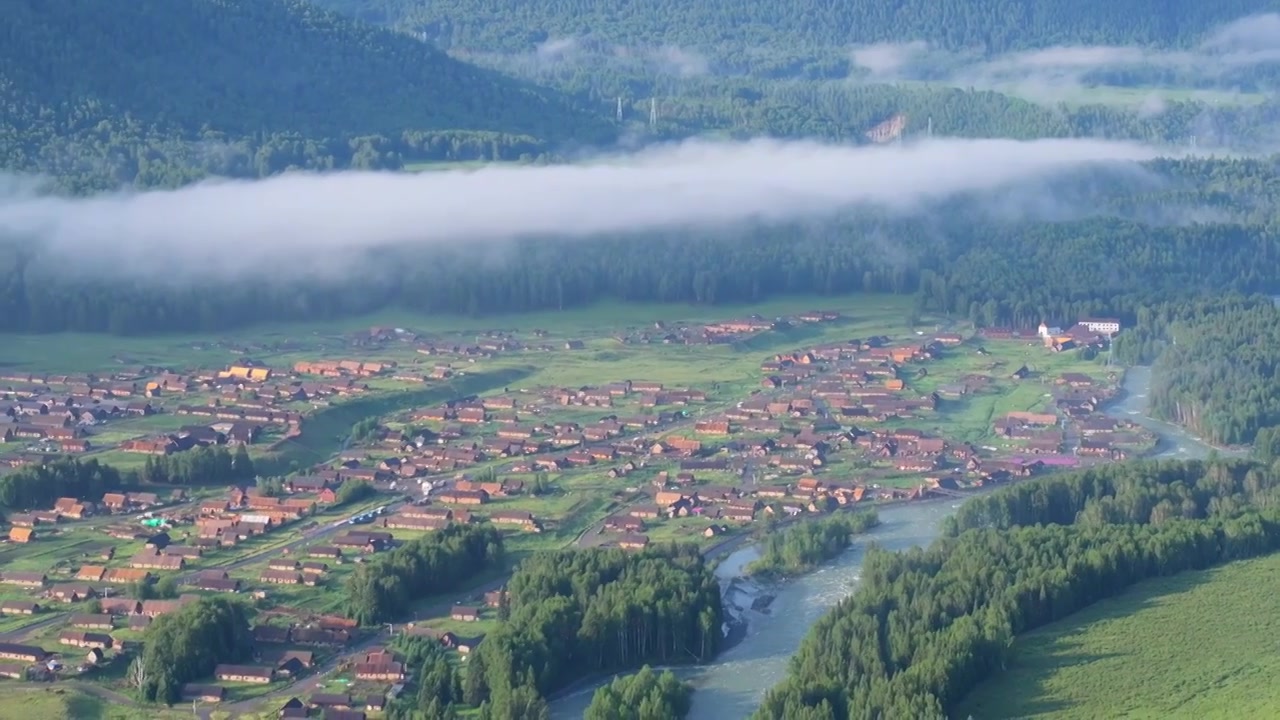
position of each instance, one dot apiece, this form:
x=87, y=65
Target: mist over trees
x=1194, y=228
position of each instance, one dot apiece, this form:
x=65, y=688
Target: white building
x=1105, y=326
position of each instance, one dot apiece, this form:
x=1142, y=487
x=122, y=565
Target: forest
x=187, y=645
x=646, y=695
x=164, y=92
x=437, y=680
x=185, y=100
x=1214, y=362
x=804, y=545
x=38, y=486
x=710, y=25
x=383, y=588
x=574, y=613
x=927, y=625
x=199, y=466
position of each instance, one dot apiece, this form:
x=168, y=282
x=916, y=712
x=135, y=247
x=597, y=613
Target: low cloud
x=312, y=223
x=888, y=59
x=556, y=49
x=573, y=53
x=1055, y=73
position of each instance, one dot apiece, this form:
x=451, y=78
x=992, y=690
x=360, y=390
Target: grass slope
x=1198, y=645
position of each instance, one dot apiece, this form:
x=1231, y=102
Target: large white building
x=1105, y=326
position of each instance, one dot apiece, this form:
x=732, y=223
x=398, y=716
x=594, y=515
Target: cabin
x=81, y=639
x=195, y=692
x=100, y=621
x=19, y=607
x=244, y=673
x=465, y=613
x=72, y=592
x=24, y=579
x=24, y=653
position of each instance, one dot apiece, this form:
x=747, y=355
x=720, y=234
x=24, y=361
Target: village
x=584, y=438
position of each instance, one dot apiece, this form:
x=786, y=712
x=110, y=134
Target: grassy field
x=1198, y=645
x=83, y=352
x=43, y=702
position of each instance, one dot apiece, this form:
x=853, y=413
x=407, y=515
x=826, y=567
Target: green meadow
x=1198, y=645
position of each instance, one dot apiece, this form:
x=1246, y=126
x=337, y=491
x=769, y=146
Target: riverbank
x=1131, y=402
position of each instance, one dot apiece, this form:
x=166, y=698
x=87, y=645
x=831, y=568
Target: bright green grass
x=969, y=418
x=42, y=701
x=1198, y=645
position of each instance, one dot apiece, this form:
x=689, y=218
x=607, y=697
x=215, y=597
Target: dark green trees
x=802, y=546
x=186, y=645
x=928, y=624
x=574, y=613
x=647, y=695
x=381, y=590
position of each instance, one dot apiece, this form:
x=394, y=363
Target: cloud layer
x=571, y=54
x=307, y=223
x=1051, y=73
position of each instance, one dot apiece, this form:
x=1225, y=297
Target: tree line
x=383, y=588
x=33, y=487
x=802, y=546
x=573, y=613
x=208, y=465
x=927, y=625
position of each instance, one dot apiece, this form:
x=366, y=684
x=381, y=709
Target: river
x=731, y=687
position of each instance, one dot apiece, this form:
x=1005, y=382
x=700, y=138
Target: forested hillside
x=164, y=91
x=839, y=110
x=997, y=25
x=926, y=626
x=1215, y=361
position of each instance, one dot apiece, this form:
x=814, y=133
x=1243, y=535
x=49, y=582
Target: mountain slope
x=244, y=68
x=997, y=25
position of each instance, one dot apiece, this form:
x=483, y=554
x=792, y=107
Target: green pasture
x=1198, y=645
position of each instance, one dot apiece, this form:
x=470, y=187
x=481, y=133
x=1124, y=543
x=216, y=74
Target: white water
x=731, y=687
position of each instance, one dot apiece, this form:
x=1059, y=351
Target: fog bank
x=303, y=223
x=1061, y=72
